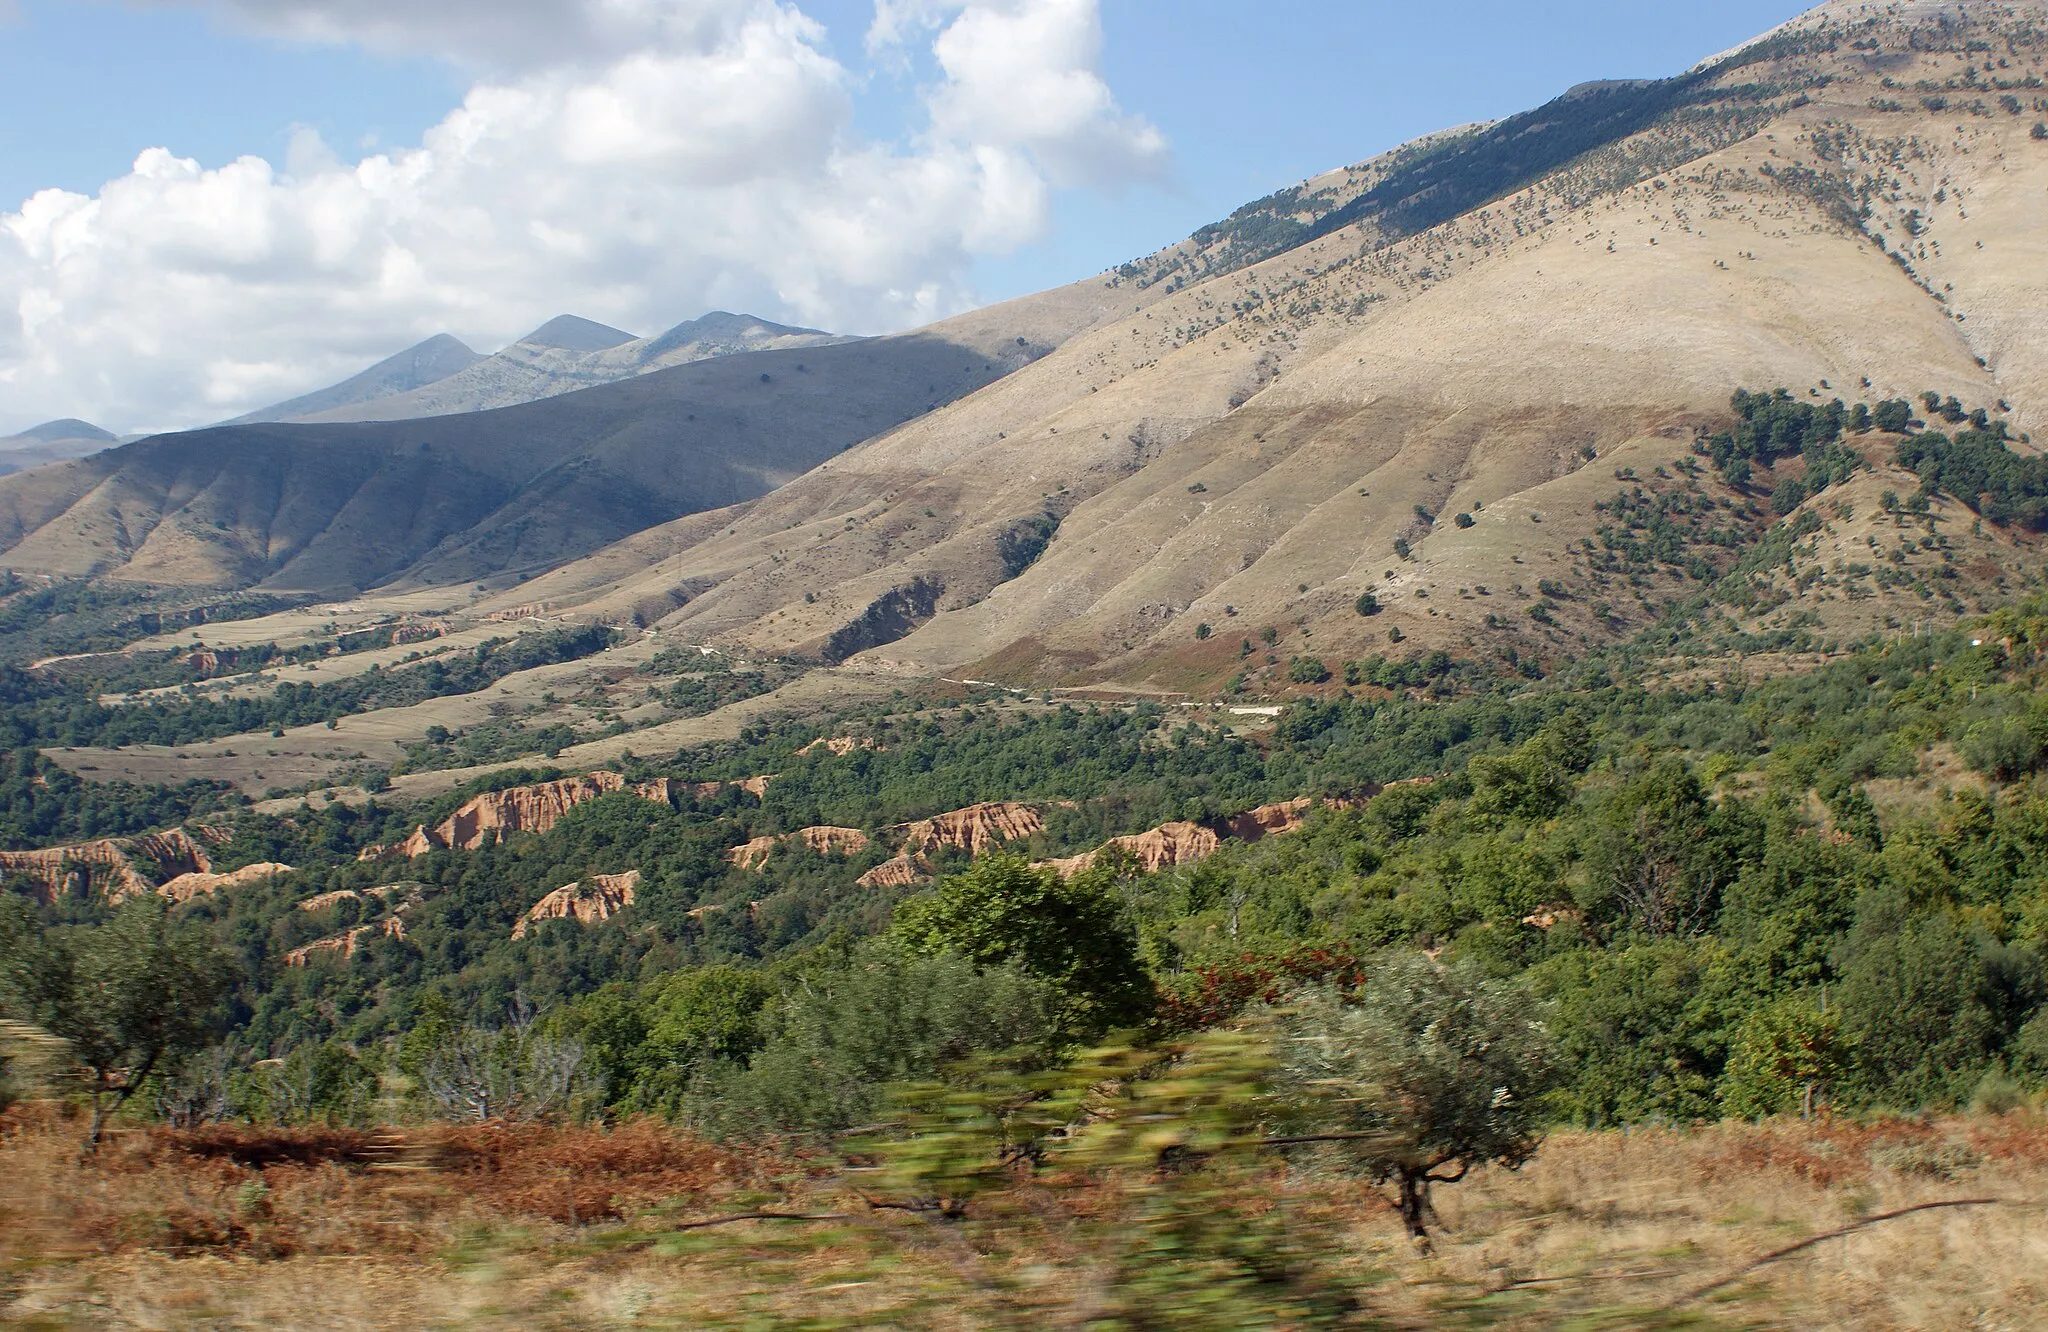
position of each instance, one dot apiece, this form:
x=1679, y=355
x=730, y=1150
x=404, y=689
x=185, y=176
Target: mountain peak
x=423, y=363
x=576, y=334
x=67, y=428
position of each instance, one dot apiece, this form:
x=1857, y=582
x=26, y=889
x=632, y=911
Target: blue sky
x=1198, y=106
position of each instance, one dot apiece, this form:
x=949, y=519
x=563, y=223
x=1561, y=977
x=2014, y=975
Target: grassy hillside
x=1503, y=323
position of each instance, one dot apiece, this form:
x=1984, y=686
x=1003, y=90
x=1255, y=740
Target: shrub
x=1307, y=670
x=1788, y=495
x=1367, y=604
x=1463, y=520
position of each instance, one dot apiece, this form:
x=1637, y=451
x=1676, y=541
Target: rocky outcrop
x=825, y=840
x=117, y=868
x=1163, y=847
x=420, y=631
x=977, y=830
x=1185, y=843
x=753, y=854
x=753, y=786
x=588, y=902
x=188, y=886
x=1269, y=820
x=413, y=892
x=905, y=871
x=496, y=815
x=344, y=945
x=322, y=901
x=839, y=746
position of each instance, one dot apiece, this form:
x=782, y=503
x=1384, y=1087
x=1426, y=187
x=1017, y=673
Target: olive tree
x=521, y=1070
x=1428, y=1072
x=128, y=998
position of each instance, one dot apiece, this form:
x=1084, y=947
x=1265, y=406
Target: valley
x=1464, y=747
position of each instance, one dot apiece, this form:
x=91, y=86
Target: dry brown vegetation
x=583, y=1227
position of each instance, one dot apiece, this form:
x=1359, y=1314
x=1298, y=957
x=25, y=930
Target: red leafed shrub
x=1220, y=991
x=575, y=1174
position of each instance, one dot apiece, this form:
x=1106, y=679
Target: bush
x=1463, y=520
x=1307, y=670
x=1367, y=604
x=1787, y=1056
x=2040, y=130
x=1788, y=495
x=2001, y=748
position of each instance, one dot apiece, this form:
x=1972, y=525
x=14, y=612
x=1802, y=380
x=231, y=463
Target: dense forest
x=1728, y=897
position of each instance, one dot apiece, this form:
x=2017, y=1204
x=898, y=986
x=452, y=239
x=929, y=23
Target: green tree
x=129, y=998
x=1918, y=1005
x=1070, y=933
x=1367, y=604
x=1435, y=1068
x=1787, y=1055
x=833, y=1043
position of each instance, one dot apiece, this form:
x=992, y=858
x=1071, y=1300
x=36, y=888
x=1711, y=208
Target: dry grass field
x=571, y=1228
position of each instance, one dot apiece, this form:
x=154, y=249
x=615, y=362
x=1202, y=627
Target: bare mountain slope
x=1518, y=324
x=458, y=498
x=567, y=353
x=415, y=367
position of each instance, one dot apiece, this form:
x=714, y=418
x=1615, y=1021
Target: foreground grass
x=573, y=1228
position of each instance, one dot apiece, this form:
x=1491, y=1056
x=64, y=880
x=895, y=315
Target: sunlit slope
x=1244, y=448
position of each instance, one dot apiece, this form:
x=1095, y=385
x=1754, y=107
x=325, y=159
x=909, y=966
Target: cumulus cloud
x=1025, y=74
x=636, y=161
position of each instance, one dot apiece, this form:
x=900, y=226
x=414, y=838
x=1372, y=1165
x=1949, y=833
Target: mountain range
x=1454, y=397
x=443, y=376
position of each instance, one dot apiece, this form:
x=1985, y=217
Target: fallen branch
x=762, y=1216
x=1791, y=1249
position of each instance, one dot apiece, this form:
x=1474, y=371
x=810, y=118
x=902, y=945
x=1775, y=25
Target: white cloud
x=635, y=161
x=1026, y=74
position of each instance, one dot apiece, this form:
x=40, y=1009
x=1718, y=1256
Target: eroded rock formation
x=905, y=871
x=599, y=898
x=1185, y=843
x=839, y=746
x=496, y=815
x=188, y=886
x=825, y=840
x=977, y=830
x=117, y=867
x=1163, y=847
x=344, y=945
